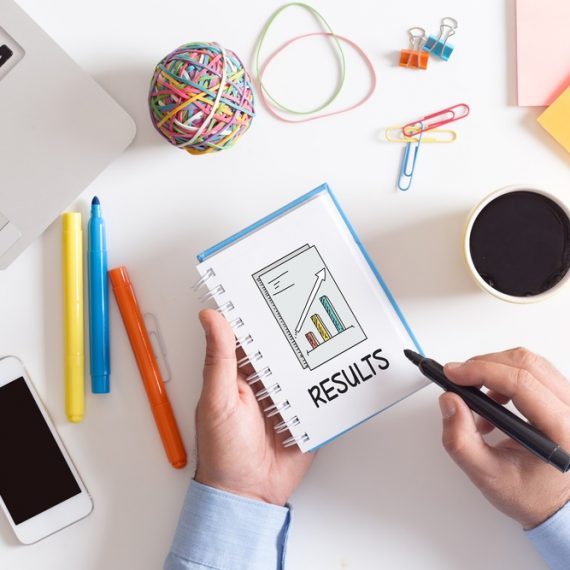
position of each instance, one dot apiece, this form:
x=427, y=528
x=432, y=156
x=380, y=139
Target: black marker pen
x=522, y=432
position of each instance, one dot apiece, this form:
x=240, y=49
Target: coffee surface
x=520, y=243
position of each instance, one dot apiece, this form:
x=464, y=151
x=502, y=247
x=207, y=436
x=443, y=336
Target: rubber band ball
x=201, y=98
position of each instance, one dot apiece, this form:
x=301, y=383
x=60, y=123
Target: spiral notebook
x=314, y=317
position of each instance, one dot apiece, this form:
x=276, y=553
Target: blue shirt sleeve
x=222, y=531
x=552, y=539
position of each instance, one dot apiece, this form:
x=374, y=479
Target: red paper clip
x=429, y=122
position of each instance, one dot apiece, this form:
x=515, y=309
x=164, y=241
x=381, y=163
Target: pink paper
x=543, y=50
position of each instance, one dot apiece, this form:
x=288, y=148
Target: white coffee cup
x=467, y=249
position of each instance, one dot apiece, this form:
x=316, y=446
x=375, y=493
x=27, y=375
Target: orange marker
x=148, y=367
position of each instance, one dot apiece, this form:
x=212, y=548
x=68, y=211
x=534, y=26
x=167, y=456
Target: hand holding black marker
x=513, y=480
x=510, y=424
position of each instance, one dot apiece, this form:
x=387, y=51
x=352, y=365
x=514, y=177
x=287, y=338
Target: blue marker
x=98, y=302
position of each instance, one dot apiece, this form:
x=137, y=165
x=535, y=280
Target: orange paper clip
x=429, y=122
x=414, y=57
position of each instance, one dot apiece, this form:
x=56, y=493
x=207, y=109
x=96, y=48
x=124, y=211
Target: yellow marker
x=73, y=316
x=320, y=326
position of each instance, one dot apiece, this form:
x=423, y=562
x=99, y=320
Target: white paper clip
x=158, y=346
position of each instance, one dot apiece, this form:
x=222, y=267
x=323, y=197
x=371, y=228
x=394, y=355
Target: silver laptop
x=58, y=130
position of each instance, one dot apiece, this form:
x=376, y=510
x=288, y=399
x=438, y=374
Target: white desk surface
x=386, y=495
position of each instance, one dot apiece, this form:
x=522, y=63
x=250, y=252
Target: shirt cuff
x=223, y=531
x=552, y=539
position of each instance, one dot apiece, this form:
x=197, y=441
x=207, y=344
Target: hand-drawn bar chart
x=331, y=312
x=320, y=325
x=321, y=328
x=310, y=336
x=309, y=307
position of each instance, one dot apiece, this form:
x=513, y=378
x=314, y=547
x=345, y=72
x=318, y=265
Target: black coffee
x=520, y=243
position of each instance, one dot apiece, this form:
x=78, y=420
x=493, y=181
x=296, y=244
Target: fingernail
x=452, y=365
x=447, y=407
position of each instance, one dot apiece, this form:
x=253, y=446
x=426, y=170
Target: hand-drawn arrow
x=321, y=276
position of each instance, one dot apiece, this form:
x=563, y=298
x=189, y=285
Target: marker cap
x=72, y=221
x=119, y=277
x=100, y=384
x=560, y=459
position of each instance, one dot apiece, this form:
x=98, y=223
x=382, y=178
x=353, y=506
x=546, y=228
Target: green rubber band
x=326, y=26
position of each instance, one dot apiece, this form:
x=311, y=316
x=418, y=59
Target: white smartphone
x=40, y=489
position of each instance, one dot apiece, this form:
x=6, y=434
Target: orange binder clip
x=414, y=57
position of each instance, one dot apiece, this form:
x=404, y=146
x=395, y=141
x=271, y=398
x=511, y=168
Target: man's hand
x=238, y=449
x=513, y=479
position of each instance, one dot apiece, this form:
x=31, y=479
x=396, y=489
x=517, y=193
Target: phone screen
x=10, y=52
x=34, y=475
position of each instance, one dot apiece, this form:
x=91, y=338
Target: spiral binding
x=275, y=409
x=266, y=392
x=225, y=306
x=207, y=275
x=236, y=323
x=244, y=340
x=219, y=290
x=258, y=375
x=286, y=425
x=296, y=440
x=249, y=359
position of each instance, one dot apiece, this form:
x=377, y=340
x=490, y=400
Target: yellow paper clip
x=395, y=135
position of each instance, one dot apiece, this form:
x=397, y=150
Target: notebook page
x=319, y=317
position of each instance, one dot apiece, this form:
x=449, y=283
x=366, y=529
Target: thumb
x=462, y=440
x=220, y=367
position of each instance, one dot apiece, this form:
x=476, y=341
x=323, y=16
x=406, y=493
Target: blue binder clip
x=439, y=46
